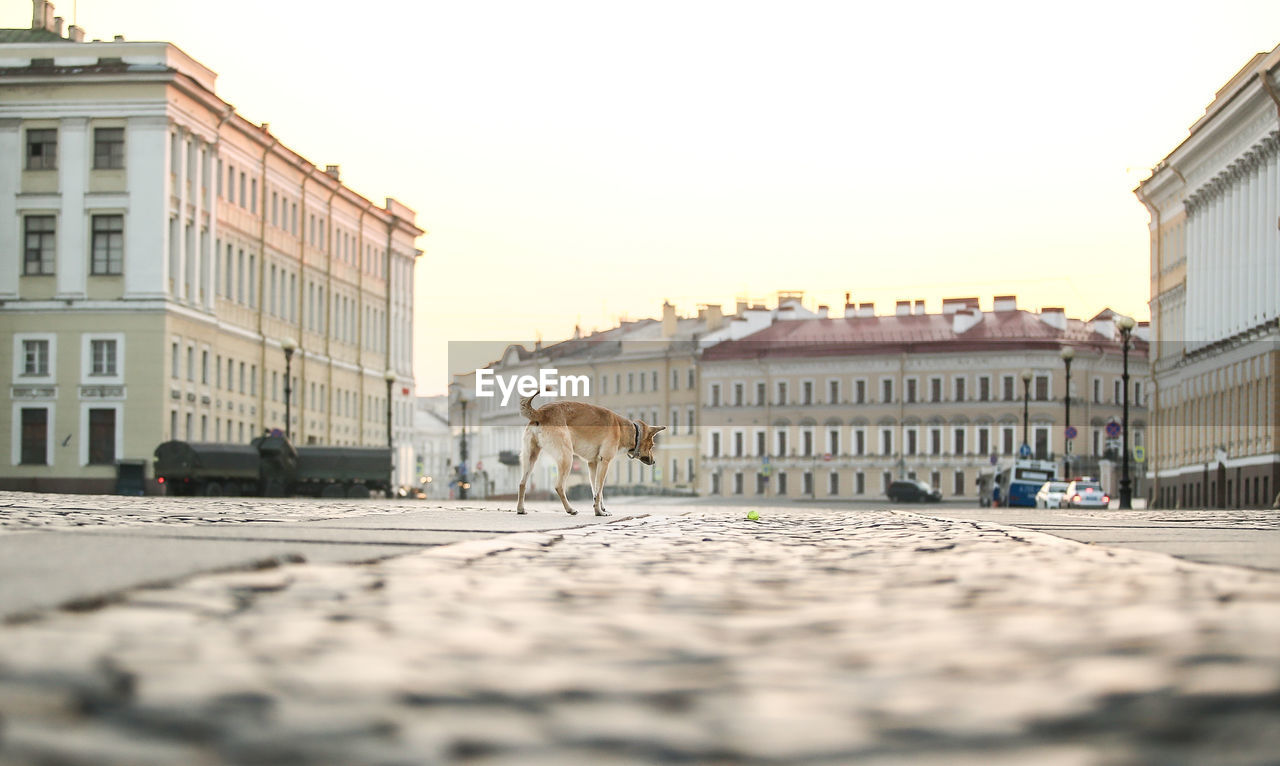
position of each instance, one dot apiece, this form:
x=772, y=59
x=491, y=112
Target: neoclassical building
x=830, y=408
x=1214, y=203
x=158, y=253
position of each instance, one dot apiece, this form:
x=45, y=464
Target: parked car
x=912, y=491
x=1051, y=494
x=1085, y=493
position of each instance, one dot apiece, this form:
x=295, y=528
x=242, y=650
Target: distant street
x=675, y=633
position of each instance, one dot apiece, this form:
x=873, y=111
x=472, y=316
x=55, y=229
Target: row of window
x=779, y=481
x=933, y=443
x=42, y=148
x=807, y=391
x=36, y=354
x=40, y=245
x=643, y=382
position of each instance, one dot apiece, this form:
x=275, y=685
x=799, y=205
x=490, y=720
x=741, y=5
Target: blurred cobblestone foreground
x=804, y=638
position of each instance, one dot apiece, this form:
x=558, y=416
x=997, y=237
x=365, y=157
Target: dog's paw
x=521, y=511
x=571, y=512
x=603, y=512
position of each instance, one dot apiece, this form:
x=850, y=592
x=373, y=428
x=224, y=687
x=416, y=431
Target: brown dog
x=595, y=434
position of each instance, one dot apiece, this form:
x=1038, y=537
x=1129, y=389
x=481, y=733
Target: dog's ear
x=657, y=429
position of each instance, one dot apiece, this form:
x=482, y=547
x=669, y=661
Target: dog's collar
x=635, y=445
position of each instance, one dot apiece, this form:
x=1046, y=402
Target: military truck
x=271, y=466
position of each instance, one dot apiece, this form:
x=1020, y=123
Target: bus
x=1019, y=481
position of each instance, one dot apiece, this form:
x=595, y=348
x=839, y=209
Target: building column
x=11, y=155
x=146, y=227
x=72, y=265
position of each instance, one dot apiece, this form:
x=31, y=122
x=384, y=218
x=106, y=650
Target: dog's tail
x=526, y=408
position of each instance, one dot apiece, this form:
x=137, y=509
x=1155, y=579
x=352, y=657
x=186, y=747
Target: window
x=935, y=441
x=833, y=441
x=806, y=392
x=984, y=389
x=911, y=390
x=782, y=443
x=642, y=382
x=762, y=395
x=1007, y=384
x=1042, y=388
x=35, y=358
x=859, y=441
x=859, y=483
x=761, y=448
x=42, y=149
x=689, y=420
x=739, y=394
x=1006, y=436
x=108, y=244
x=1116, y=392
x=35, y=436
x=204, y=367
x=675, y=386
x=959, y=441
x=782, y=392
x=191, y=363
x=715, y=392
x=806, y=481
x=984, y=440
x=39, y=244
x=690, y=378
x=959, y=391
x=108, y=148
x=715, y=444
x=886, y=441
x=631, y=386
x=912, y=437
x=860, y=392
x=833, y=484
x=102, y=436
x=654, y=376
x=782, y=483
x=806, y=437
x=935, y=389
x=1097, y=390
x=739, y=446
x=833, y=391
x=102, y=358
x=173, y=361
x=604, y=384
x=886, y=390
x=737, y=483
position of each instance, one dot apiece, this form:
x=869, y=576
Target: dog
x=595, y=434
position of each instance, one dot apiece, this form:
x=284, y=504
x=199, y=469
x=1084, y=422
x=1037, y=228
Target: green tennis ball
x=753, y=515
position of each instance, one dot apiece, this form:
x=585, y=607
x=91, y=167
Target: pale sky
x=578, y=161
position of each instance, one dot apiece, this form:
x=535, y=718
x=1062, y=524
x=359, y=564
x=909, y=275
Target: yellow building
x=159, y=254
x=1215, y=300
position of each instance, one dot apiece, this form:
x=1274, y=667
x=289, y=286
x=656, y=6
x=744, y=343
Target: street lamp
x=289, y=345
x=1068, y=353
x=462, y=452
x=390, y=377
x=1026, y=399
x=1125, y=324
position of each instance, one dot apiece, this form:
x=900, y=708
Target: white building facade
x=157, y=254
x=1215, y=297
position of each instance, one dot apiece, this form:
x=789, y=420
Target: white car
x=1051, y=494
x=1085, y=494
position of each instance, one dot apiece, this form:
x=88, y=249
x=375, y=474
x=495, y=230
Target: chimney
x=919, y=308
x=668, y=320
x=866, y=310
x=75, y=34
x=963, y=319
x=333, y=171
x=42, y=15
x=850, y=310
x=952, y=305
x=741, y=306
x=1054, y=317
x=118, y=39
x=57, y=25
x=713, y=317
x=824, y=312
x=1006, y=303
x=902, y=308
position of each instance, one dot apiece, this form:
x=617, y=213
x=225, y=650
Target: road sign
x=1113, y=429
x=1071, y=432
x=827, y=457
x=1024, y=450
x=1139, y=454
x=766, y=470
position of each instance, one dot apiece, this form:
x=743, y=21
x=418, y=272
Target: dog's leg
x=528, y=456
x=602, y=473
x=595, y=489
x=565, y=466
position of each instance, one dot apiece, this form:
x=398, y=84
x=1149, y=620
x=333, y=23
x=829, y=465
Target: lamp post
x=390, y=377
x=1026, y=399
x=1125, y=325
x=1068, y=353
x=289, y=345
x=462, y=452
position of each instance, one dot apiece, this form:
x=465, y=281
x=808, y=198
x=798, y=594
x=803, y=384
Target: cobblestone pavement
x=21, y=511
x=804, y=638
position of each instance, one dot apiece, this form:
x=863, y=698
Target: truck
x=271, y=466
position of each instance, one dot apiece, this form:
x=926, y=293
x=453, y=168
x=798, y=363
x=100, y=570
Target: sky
x=577, y=162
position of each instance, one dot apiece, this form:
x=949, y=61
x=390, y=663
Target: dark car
x=910, y=491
